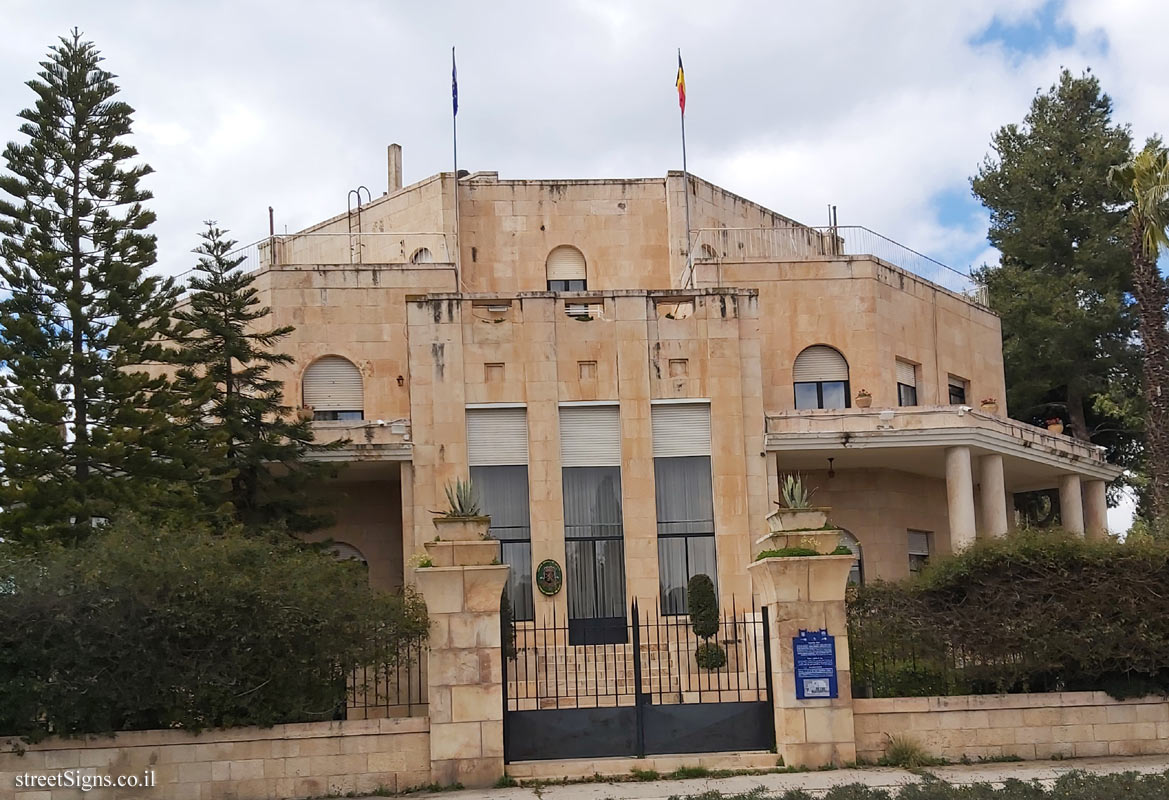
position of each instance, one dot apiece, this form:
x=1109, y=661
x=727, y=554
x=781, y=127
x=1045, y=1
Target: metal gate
x=645, y=697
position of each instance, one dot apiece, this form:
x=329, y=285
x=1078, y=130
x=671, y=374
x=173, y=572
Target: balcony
x=415, y=250
x=369, y=441
x=799, y=243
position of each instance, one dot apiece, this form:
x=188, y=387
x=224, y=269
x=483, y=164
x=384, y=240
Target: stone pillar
x=960, y=498
x=1071, y=504
x=462, y=590
x=1096, y=509
x=807, y=593
x=992, y=493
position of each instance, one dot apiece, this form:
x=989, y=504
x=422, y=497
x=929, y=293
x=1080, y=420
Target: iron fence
x=392, y=686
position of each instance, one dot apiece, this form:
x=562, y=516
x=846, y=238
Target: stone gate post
x=462, y=589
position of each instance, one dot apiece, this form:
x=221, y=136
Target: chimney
x=394, y=167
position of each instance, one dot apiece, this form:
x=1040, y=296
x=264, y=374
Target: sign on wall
x=815, y=665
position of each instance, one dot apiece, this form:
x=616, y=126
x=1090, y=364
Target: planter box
x=462, y=529
x=822, y=541
x=801, y=579
x=797, y=519
x=463, y=554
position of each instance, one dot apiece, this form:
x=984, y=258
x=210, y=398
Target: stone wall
x=1060, y=724
x=285, y=761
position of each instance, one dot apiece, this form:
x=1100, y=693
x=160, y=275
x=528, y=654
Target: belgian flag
x=681, y=84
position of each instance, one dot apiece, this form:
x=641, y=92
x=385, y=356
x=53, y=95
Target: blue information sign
x=815, y=661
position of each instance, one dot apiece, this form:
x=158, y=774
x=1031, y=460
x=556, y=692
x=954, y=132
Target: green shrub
x=702, y=605
x=788, y=552
x=1036, y=611
x=139, y=628
x=905, y=751
x=710, y=655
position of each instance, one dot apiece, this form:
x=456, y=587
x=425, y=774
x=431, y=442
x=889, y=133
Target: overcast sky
x=882, y=108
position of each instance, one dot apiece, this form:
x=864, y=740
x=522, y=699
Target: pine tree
x=1063, y=289
x=256, y=471
x=82, y=326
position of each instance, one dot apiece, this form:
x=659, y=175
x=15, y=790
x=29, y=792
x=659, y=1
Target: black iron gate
x=645, y=697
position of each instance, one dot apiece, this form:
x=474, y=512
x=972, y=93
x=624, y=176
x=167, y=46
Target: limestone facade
x=438, y=320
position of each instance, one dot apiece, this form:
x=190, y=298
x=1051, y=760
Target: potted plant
x=990, y=405
x=796, y=512
x=1055, y=425
x=864, y=398
x=462, y=536
x=304, y=413
x=702, y=606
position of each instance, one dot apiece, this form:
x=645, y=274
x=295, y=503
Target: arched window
x=856, y=575
x=566, y=270
x=346, y=552
x=820, y=375
x=332, y=389
x=422, y=256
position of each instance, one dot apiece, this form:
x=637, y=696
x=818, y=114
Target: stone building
x=627, y=401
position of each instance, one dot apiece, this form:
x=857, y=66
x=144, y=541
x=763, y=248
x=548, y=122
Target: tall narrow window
x=957, y=391
x=497, y=452
x=332, y=388
x=906, y=383
x=919, y=551
x=594, y=535
x=856, y=575
x=685, y=499
x=820, y=376
x=566, y=270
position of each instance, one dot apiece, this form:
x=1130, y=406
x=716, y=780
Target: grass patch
x=905, y=751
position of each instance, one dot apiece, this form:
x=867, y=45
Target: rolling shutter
x=958, y=383
x=333, y=383
x=566, y=263
x=590, y=436
x=681, y=429
x=919, y=543
x=497, y=436
x=906, y=373
x=819, y=363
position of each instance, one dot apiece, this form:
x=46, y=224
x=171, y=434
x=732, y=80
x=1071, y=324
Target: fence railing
x=657, y=661
x=389, y=687
x=345, y=248
x=795, y=242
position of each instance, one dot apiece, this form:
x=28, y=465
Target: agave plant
x=462, y=500
x=793, y=493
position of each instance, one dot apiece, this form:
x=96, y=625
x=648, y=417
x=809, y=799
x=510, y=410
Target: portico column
x=1096, y=509
x=1071, y=504
x=960, y=497
x=992, y=493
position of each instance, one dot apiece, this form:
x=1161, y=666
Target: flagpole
x=685, y=171
x=455, y=148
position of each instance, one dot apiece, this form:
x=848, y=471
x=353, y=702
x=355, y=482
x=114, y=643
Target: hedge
x=144, y=629
x=1036, y=611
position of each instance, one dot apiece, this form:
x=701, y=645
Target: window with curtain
x=594, y=533
x=497, y=452
x=820, y=378
x=684, y=497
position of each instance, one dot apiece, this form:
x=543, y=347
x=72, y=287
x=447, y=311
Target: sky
x=881, y=109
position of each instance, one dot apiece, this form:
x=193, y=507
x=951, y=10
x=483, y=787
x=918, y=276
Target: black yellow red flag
x=681, y=84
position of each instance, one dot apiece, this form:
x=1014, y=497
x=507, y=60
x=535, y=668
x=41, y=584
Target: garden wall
x=299, y=760
x=1067, y=724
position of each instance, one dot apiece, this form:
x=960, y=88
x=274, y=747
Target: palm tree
x=1145, y=180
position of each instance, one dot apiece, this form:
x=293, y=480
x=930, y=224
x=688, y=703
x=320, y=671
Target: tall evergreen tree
x=256, y=472
x=1063, y=288
x=86, y=431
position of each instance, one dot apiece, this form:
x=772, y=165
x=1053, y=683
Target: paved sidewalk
x=818, y=782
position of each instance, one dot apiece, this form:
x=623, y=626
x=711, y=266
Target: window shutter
x=590, y=436
x=566, y=263
x=681, y=429
x=957, y=382
x=919, y=543
x=906, y=373
x=820, y=363
x=333, y=383
x=497, y=436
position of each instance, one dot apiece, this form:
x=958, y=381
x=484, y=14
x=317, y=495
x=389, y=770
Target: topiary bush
x=702, y=604
x=710, y=655
x=139, y=628
x=1036, y=611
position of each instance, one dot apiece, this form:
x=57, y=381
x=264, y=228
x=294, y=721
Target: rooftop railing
x=795, y=242
x=295, y=249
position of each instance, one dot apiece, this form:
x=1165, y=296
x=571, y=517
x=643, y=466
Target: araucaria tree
x=255, y=471
x=1062, y=288
x=85, y=432
x=1145, y=183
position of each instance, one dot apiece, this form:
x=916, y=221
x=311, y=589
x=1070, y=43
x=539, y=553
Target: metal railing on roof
x=342, y=247
x=791, y=243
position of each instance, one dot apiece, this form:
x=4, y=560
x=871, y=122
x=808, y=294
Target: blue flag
x=454, y=85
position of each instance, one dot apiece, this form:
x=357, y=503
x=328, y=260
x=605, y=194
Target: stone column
x=1096, y=509
x=992, y=493
x=960, y=498
x=462, y=590
x=1071, y=504
x=807, y=593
